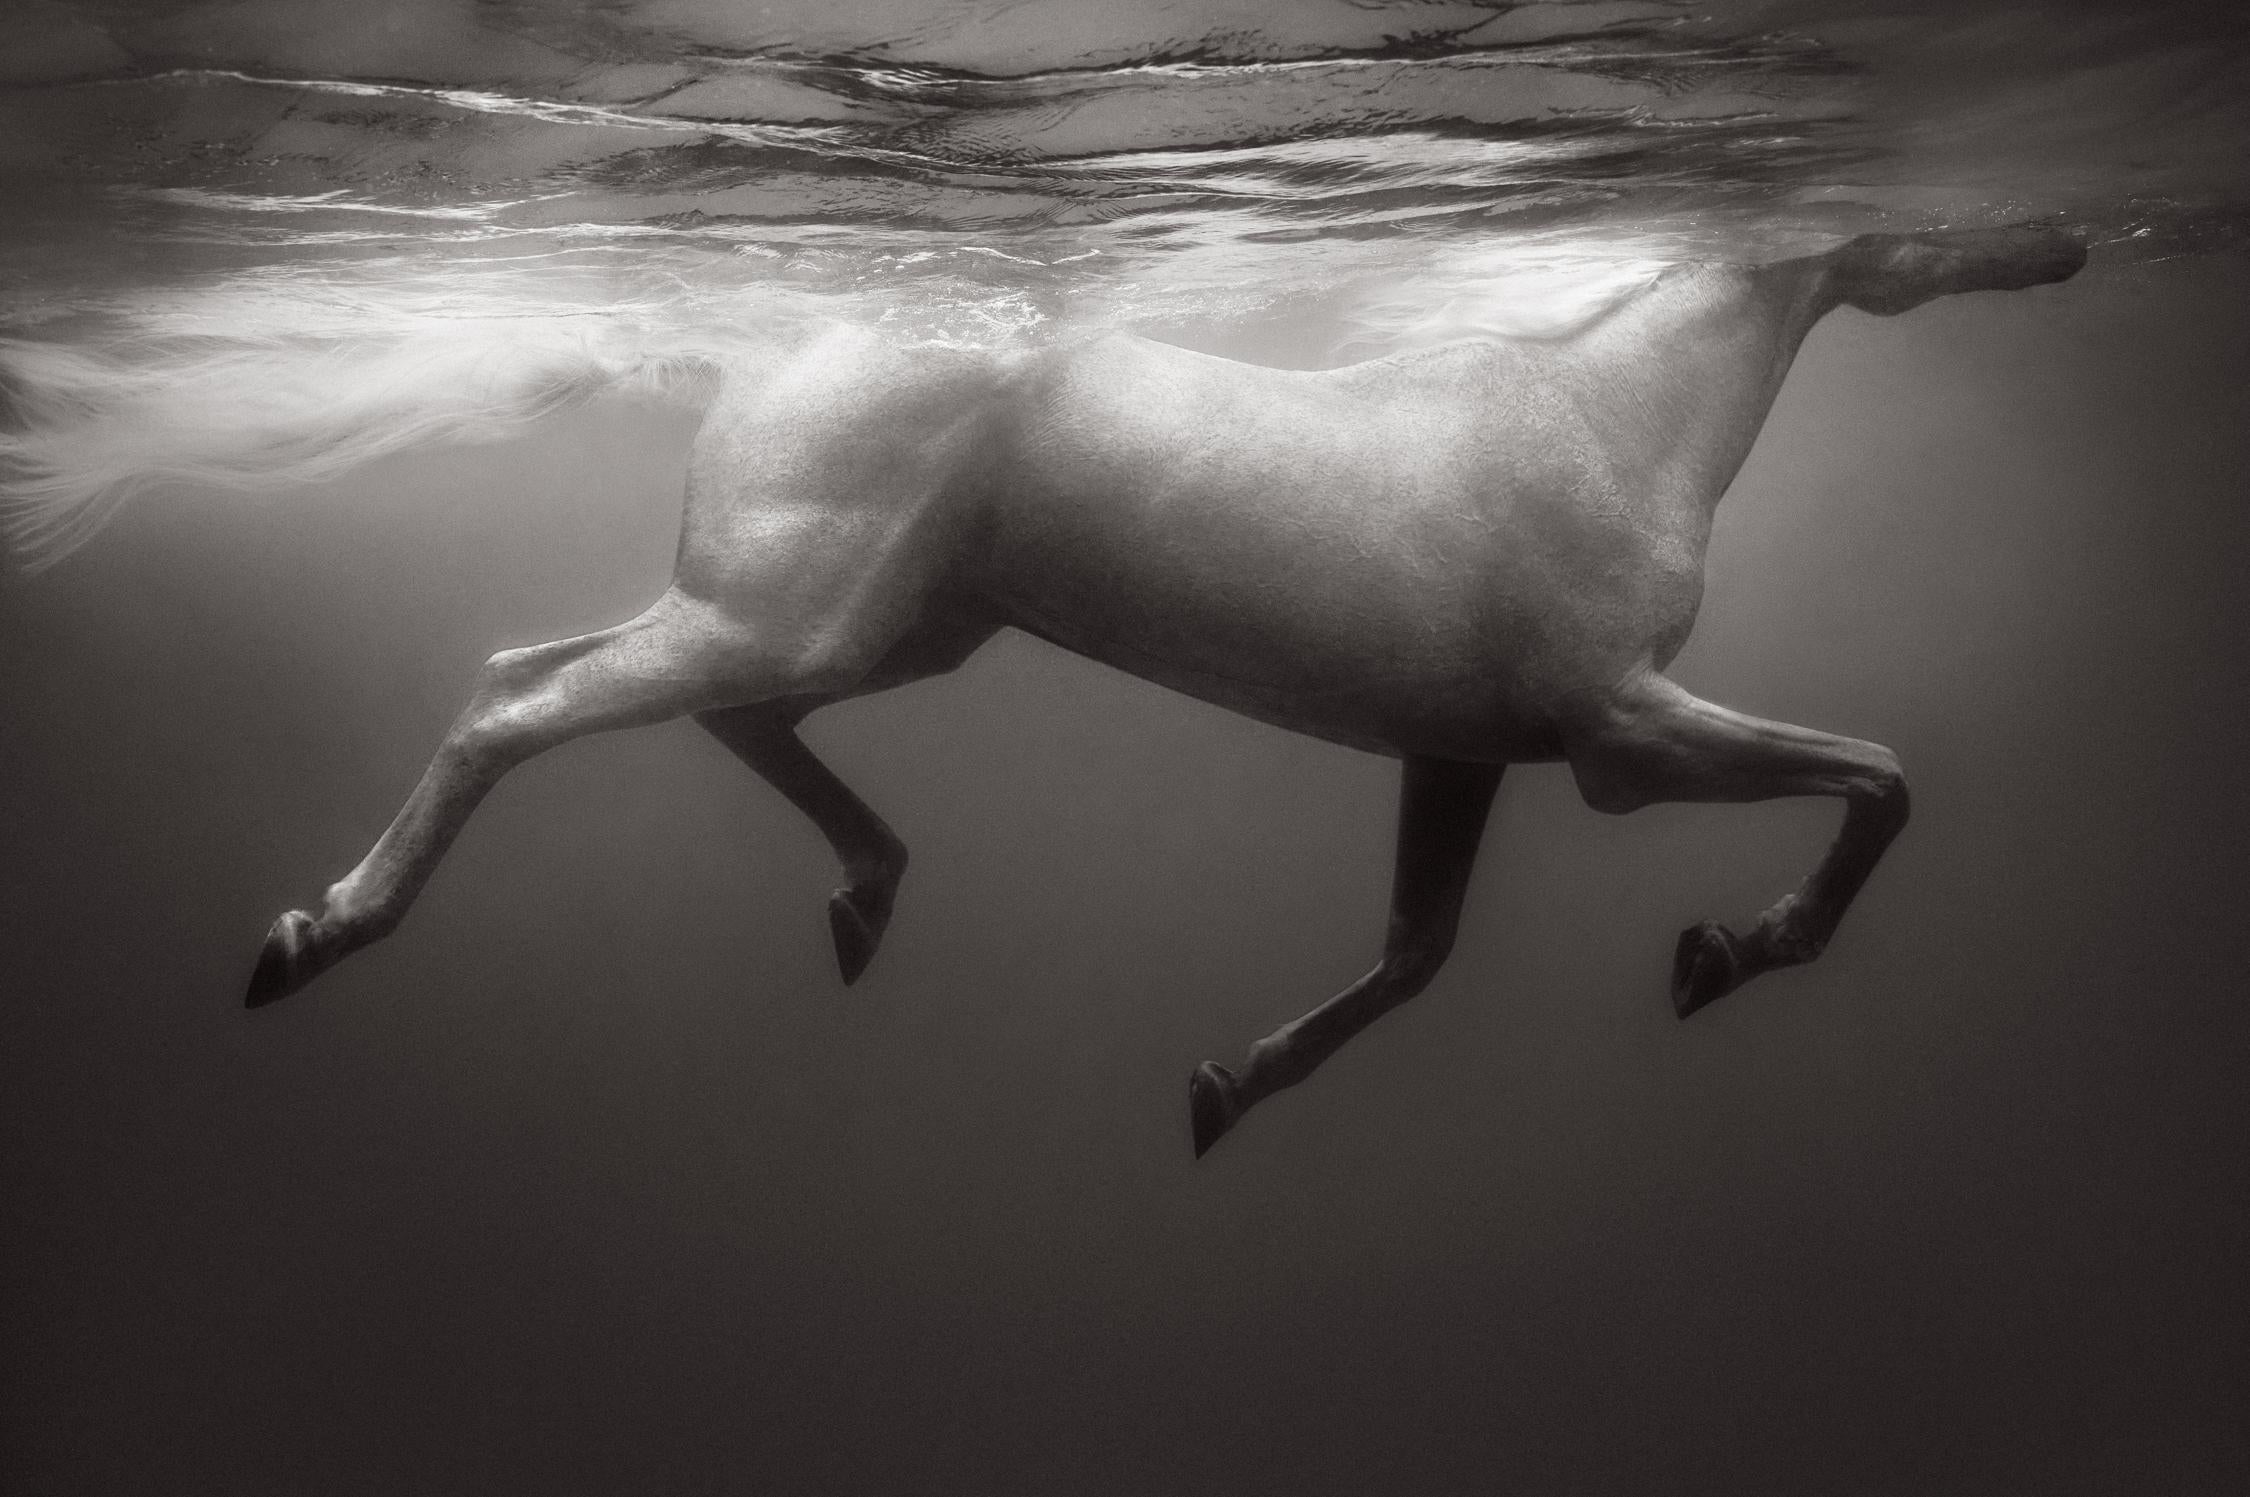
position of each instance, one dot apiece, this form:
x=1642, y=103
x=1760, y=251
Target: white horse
x=1473, y=556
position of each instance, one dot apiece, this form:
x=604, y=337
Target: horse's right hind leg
x=764, y=736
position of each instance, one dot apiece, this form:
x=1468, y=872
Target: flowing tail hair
x=84, y=428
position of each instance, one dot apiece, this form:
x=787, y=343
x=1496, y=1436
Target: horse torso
x=1438, y=553
x=1428, y=554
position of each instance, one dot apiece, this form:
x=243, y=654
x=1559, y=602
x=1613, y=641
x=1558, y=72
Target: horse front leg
x=1652, y=741
x=1443, y=805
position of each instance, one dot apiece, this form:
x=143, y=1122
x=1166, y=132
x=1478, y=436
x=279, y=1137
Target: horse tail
x=85, y=428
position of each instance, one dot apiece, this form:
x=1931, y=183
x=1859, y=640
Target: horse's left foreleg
x=1651, y=741
x=1442, y=809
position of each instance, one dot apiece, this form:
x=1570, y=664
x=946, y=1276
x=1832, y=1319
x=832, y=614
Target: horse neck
x=1682, y=377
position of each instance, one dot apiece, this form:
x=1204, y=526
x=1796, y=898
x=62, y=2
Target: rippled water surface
x=254, y=242
x=992, y=166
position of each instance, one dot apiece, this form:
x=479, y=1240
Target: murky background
x=594, y=1179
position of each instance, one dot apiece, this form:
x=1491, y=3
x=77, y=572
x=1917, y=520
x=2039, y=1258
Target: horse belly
x=1351, y=618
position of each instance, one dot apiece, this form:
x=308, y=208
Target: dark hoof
x=287, y=962
x=1212, y=1107
x=1706, y=965
x=855, y=933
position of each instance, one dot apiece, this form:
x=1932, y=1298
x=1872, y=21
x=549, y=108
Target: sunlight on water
x=304, y=203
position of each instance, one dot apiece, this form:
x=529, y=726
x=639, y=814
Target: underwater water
x=594, y=1178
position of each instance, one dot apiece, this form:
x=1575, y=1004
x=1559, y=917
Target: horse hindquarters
x=813, y=541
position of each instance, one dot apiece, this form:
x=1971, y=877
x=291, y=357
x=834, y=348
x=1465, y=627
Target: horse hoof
x=287, y=961
x=1212, y=1107
x=1706, y=965
x=855, y=935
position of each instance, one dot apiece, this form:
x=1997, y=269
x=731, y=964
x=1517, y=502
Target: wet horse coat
x=1478, y=555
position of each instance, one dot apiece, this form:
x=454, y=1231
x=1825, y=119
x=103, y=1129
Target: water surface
x=984, y=167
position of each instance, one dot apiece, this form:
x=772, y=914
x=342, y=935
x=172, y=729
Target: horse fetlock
x=1785, y=937
x=354, y=918
x=1279, y=1060
x=876, y=875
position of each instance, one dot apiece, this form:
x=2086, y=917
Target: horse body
x=1433, y=554
x=1466, y=557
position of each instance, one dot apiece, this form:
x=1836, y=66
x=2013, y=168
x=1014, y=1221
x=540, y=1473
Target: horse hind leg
x=812, y=539
x=683, y=655
x=1443, y=805
x=1653, y=742
x=764, y=737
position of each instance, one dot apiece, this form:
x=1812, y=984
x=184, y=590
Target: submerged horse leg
x=810, y=545
x=681, y=655
x=764, y=736
x=1652, y=741
x=1442, y=809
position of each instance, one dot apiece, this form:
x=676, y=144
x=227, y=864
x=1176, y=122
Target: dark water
x=593, y=1179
